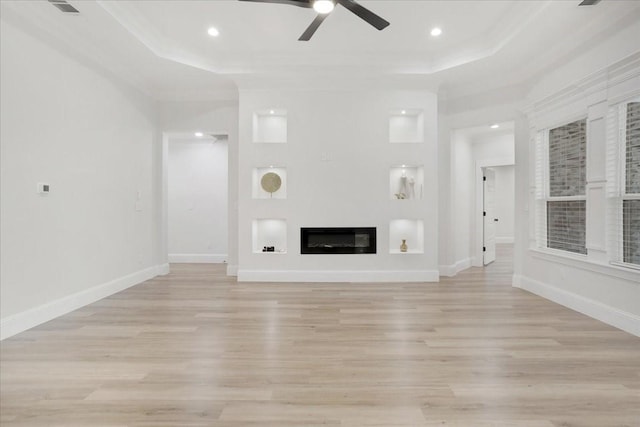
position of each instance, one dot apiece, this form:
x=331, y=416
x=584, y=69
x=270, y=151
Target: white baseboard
x=198, y=258
x=337, y=276
x=628, y=322
x=164, y=269
x=232, y=270
x=453, y=269
x=504, y=240
x=19, y=322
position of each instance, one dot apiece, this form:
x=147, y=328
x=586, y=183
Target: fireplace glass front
x=342, y=240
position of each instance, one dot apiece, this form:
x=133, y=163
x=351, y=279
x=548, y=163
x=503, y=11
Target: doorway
x=498, y=211
x=488, y=216
x=195, y=197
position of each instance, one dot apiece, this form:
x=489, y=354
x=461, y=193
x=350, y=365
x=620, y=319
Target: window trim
x=616, y=185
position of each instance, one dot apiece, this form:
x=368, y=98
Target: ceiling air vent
x=589, y=3
x=219, y=137
x=63, y=6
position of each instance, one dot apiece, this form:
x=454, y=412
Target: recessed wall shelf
x=270, y=126
x=406, y=126
x=266, y=179
x=406, y=182
x=269, y=233
x=410, y=230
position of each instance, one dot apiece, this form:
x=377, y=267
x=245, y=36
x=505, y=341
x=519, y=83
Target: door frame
x=478, y=240
x=164, y=187
x=486, y=218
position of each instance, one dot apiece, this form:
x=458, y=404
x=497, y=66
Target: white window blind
x=623, y=183
x=560, y=188
x=540, y=141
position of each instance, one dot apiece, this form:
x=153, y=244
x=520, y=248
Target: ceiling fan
x=324, y=8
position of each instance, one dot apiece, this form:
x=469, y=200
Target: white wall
x=338, y=157
x=93, y=140
x=198, y=208
x=504, y=203
x=445, y=210
x=462, y=193
x=493, y=147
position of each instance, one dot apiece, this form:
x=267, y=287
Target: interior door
x=489, y=220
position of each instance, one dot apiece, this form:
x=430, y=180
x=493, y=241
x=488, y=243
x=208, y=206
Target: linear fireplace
x=342, y=240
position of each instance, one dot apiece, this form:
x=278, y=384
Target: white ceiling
x=477, y=134
x=163, y=48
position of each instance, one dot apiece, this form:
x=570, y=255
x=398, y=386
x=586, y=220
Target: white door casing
x=489, y=220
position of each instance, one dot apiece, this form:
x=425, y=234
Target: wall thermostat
x=44, y=188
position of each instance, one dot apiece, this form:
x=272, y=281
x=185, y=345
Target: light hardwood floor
x=197, y=349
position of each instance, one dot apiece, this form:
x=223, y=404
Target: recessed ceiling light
x=213, y=32
x=435, y=32
x=271, y=112
x=199, y=134
x=496, y=126
x=403, y=112
x=323, y=6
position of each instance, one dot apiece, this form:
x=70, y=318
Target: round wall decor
x=271, y=182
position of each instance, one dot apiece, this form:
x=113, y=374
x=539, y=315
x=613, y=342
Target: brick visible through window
x=567, y=160
x=566, y=219
x=566, y=228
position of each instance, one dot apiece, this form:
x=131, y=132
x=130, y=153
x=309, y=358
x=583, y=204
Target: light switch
x=44, y=188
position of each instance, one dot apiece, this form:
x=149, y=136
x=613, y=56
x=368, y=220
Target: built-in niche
x=270, y=126
x=406, y=182
x=406, y=126
x=406, y=236
x=269, y=182
x=269, y=236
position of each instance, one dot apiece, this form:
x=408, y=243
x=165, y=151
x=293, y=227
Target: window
x=623, y=183
x=561, y=187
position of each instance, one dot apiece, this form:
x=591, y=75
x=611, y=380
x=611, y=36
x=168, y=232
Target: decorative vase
x=403, y=246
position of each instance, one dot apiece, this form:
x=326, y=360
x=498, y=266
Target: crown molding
x=598, y=83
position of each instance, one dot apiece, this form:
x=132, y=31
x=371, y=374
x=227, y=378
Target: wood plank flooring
x=197, y=349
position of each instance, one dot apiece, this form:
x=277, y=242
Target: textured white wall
x=198, y=208
x=92, y=139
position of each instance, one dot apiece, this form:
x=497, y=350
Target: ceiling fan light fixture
x=323, y=6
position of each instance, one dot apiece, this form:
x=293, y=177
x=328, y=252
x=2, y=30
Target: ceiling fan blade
x=300, y=3
x=306, y=36
x=365, y=14
x=589, y=2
